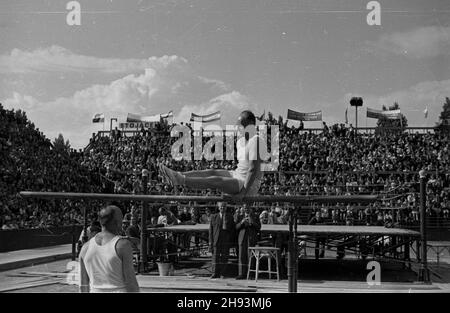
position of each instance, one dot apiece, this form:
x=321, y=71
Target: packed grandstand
x=337, y=160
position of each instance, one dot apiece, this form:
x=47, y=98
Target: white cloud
x=170, y=84
x=229, y=104
x=24, y=102
x=59, y=59
x=423, y=42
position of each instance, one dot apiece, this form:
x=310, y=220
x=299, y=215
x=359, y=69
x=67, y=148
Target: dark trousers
x=220, y=255
x=281, y=242
x=243, y=260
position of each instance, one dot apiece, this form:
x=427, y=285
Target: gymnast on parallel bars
x=244, y=181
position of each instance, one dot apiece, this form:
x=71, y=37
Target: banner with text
x=378, y=114
x=312, y=116
x=136, y=125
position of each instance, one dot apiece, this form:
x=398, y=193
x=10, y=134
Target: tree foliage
x=444, y=118
x=59, y=145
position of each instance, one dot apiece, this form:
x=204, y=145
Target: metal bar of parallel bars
x=226, y=198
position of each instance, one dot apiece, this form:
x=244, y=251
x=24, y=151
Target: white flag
x=98, y=118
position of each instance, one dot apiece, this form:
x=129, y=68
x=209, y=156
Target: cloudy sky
x=149, y=57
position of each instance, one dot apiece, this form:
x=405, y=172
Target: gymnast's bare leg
x=214, y=179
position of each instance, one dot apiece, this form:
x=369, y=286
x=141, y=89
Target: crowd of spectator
x=28, y=161
x=335, y=161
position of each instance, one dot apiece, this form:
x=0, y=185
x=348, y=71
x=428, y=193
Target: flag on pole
x=373, y=113
x=167, y=115
x=205, y=118
x=98, y=118
x=425, y=112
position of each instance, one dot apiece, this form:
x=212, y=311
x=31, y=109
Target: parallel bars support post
x=295, y=253
x=292, y=281
x=424, y=273
x=74, y=243
x=144, y=213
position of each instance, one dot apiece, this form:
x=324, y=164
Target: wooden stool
x=263, y=252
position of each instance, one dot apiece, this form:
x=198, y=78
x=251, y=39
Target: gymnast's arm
x=84, y=278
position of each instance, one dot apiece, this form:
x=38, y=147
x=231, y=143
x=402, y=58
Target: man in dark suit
x=221, y=231
x=247, y=226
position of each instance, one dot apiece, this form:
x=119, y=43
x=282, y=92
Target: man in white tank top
x=245, y=180
x=106, y=260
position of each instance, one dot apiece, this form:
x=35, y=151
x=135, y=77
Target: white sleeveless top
x=104, y=267
x=248, y=151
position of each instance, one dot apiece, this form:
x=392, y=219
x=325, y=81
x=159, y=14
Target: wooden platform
x=196, y=284
x=304, y=230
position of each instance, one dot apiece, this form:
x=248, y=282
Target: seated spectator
x=206, y=218
x=185, y=216
x=167, y=218
x=264, y=217
x=133, y=229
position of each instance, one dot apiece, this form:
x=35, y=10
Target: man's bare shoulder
x=84, y=249
x=123, y=247
x=123, y=243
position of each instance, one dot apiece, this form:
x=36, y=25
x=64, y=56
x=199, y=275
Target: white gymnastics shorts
x=241, y=179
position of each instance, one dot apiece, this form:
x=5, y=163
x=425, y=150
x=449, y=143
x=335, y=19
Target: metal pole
x=74, y=243
x=85, y=226
x=290, y=253
x=424, y=274
x=356, y=118
x=144, y=213
x=230, y=199
x=295, y=252
x=110, y=123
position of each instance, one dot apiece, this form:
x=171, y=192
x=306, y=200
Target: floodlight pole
x=356, y=102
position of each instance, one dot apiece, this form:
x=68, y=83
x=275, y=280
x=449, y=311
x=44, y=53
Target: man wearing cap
x=245, y=180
